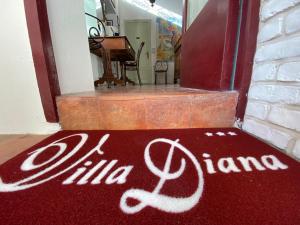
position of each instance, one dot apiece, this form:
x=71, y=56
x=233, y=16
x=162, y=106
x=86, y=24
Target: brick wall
x=273, y=110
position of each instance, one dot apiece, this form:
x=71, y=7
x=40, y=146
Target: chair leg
x=155, y=78
x=139, y=77
x=117, y=68
x=166, y=78
x=123, y=73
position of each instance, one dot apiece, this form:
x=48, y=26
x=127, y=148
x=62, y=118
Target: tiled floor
x=147, y=107
x=12, y=145
x=140, y=92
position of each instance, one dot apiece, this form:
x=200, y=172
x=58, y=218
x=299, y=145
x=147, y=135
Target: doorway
x=138, y=31
x=47, y=75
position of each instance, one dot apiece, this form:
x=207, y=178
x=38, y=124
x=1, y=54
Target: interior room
x=158, y=26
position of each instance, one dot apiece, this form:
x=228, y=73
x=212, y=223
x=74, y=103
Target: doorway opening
x=147, y=36
x=216, y=43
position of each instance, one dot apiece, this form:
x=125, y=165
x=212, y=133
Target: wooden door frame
x=45, y=66
x=43, y=56
x=245, y=50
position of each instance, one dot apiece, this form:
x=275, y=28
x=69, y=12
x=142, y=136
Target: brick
x=261, y=92
x=276, y=137
x=292, y=22
x=289, y=71
x=258, y=129
x=283, y=49
x=296, y=149
x=258, y=110
x=280, y=139
x=285, y=117
x=275, y=93
x=271, y=29
x=286, y=94
x=273, y=7
x=265, y=72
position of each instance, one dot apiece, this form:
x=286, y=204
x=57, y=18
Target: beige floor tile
x=12, y=145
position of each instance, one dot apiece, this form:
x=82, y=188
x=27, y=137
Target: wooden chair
x=161, y=67
x=135, y=65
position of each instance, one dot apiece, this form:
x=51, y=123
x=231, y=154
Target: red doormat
x=193, y=176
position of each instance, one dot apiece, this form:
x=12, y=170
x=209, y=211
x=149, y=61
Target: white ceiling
x=172, y=5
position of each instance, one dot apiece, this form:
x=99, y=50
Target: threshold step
x=136, y=108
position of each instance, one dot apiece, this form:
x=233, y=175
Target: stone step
x=135, y=108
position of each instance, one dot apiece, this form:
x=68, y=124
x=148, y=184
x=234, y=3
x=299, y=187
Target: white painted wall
x=131, y=12
x=21, y=108
x=273, y=110
x=70, y=44
x=193, y=9
x=176, y=6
